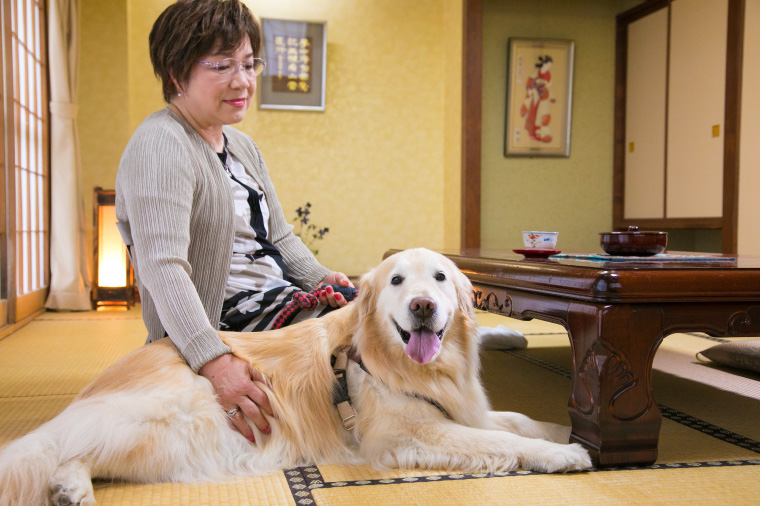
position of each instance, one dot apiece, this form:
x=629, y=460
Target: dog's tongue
x=422, y=345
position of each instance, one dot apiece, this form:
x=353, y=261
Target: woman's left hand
x=327, y=296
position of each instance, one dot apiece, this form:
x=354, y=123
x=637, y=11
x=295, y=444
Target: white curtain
x=69, y=279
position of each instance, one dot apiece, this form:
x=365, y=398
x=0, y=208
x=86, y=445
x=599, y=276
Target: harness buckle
x=347, y=415
x=341, y=398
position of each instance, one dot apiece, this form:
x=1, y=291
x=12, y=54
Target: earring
x=179, y=94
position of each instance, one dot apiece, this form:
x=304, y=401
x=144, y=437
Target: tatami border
x=302, y=480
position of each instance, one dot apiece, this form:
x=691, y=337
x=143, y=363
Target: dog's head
x=417, y=296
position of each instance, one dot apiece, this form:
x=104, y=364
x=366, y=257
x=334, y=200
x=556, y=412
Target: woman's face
x=209, y=99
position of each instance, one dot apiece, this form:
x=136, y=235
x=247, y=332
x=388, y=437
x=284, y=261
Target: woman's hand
x=328, y=297
x=233, y=381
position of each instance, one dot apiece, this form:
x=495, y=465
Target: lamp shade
x=113, y=284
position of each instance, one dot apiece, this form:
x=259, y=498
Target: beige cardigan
x=174, y=198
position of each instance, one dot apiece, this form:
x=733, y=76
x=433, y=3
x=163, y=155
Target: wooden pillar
x=472, y=89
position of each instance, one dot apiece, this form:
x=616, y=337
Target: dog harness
x=342, y=400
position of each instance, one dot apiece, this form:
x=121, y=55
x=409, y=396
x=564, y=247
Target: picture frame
x=539, y=97
x=296, y=65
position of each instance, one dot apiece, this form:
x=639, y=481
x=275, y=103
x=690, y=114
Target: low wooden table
x=616, y=315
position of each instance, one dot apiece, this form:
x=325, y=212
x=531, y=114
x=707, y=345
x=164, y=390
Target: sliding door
x=24, y=219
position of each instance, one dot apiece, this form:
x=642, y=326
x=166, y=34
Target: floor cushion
x=743, y=354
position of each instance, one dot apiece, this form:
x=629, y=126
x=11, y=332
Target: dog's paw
x=576, y=459
x=72, y=494
x=559, y=458
x=71, y=486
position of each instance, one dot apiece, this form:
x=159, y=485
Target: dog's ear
x=367, y=293
x=464, y=291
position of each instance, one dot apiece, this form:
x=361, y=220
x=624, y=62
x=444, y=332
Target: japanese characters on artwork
x=292, y=65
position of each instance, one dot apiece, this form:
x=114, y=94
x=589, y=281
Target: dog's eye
x=397, y=280
x=440, y=277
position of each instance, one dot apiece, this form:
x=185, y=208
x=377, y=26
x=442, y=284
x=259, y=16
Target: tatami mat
x=702, y=486
x=60, y=356
x=708, y=444
x=267, y=490
x=19, y=415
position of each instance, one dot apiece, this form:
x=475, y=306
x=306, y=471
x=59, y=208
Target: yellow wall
x=570, y=195
x=381, y=164
x=452, y=148
x=103, y=119
x=749, y=151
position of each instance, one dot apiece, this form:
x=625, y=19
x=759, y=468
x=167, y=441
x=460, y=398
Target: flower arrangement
x=308, y=232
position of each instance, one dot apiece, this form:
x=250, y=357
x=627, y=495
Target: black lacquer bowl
x=633, y=242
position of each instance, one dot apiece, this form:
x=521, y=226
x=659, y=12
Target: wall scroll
x=539, y=95
x=294, y=77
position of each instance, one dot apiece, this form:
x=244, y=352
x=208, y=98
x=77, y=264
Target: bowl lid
x=634, y=233
x=633, y=230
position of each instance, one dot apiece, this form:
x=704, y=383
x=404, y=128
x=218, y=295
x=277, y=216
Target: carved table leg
x=611, y=406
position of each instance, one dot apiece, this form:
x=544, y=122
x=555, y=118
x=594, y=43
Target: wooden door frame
x=8, y=212
x=472, y=96
x=472, y=93
x=732, y=125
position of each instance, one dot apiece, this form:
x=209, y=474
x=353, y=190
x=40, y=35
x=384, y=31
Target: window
x=24, y=160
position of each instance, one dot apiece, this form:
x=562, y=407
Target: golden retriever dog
x=413, y=382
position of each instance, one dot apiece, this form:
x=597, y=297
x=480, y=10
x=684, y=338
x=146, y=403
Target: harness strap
x=341, y=398
x=430, y=401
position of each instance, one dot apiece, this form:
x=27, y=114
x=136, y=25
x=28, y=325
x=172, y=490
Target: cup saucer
x=537, y=253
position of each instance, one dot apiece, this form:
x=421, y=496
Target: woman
x=208, y=238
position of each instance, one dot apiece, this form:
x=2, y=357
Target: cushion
x=739, y=354
x=501, y=338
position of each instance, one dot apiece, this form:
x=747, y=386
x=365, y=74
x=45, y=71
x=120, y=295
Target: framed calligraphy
x=296, y=56
x=539, y=96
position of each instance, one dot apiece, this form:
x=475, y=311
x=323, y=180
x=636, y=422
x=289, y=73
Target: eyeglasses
x=229, y=66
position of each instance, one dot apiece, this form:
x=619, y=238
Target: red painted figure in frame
x=535, y=107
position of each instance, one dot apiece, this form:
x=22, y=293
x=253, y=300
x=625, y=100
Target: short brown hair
x=190, y=29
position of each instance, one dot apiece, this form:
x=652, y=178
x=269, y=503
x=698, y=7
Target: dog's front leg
x=522, y=425
x=436, y=444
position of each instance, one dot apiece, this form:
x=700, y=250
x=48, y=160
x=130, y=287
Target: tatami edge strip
x=707, y=428
x=301, y=480
x=668, y=412
x=705, y=336
x=301, y=486
x=541, y=363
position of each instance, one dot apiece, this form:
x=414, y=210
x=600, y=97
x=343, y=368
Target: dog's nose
x=422, y=307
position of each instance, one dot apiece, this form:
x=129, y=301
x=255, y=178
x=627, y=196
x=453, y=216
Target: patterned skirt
x=254, y=311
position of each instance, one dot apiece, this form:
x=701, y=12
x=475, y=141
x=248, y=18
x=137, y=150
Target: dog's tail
x=26, y=468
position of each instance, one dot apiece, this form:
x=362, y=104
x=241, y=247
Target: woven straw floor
x=709, y=450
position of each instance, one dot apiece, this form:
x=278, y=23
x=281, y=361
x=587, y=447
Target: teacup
x=540, y=240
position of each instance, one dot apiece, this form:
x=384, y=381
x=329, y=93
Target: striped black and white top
x=258, y=287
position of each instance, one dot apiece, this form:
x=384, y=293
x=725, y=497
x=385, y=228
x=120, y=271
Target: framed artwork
x=296, y=56
x=539, y=97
